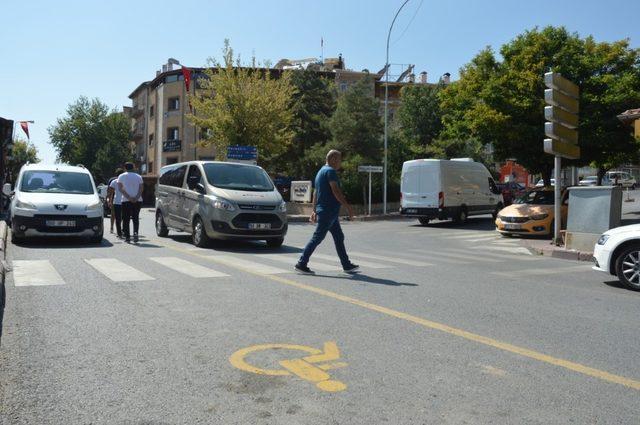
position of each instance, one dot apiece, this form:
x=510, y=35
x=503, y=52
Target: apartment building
x=162, y=133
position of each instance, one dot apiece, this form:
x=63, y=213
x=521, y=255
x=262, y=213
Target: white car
x=619, y=178
x=54, y=200
x=617, y=252
x=589, y=181
x=541, y=183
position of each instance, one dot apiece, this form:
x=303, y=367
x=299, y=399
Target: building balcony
x=137, y=111
x=138, y=132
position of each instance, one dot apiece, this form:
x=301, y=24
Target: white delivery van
x=447, y=189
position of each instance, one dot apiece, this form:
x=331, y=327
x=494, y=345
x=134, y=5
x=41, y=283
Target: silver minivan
x=220, y=200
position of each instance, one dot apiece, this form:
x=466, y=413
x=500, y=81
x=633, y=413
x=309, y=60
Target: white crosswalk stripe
x=389, y=259
x=334, y=260
x=187, y=267
x=35, y=273
x=518, y=256
x=117, y=271
x=249, y=265
x=544, y=271
x=292, y=260
x=468, y=257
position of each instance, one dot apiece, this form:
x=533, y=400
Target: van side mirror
x=200, y=189
x=6, y=189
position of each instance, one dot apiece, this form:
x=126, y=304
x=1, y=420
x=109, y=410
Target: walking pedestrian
x=131, y=185
x=114, y=201
x=327, y=199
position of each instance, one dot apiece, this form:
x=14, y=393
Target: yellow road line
x=525, y=352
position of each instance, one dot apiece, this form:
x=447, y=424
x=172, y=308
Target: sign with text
x=242, y=153
x=171, y=146
x=301, y=191
x=370, y=169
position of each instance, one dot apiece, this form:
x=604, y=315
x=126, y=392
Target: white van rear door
x=410, y=185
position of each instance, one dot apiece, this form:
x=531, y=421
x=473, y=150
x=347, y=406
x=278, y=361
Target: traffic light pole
x=557, y=208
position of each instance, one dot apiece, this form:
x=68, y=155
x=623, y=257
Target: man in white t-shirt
x=114, y=200
x=131, y=185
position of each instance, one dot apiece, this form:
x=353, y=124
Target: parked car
x=619, y=178
x=447, y=189
x=102, y=193
x=54, y=200
x=589, y=181
x=532, y=213
x=220, y=200
x=617, y=252
x=541, y=183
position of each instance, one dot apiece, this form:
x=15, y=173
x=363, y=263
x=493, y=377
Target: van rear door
x=420, y=184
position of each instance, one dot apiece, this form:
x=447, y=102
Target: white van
x=447, y=189
x=54, y=200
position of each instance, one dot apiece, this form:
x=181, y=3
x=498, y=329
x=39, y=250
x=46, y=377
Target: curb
x=561, y=253
x=3, y=248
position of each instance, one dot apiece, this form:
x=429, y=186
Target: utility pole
x=386, y=110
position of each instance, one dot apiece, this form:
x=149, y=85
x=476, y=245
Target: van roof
x=55, y=167
x=456, y=160
x=209, y=162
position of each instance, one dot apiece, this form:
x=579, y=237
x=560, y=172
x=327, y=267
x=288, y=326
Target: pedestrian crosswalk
x=216, y=265
x=483, y=239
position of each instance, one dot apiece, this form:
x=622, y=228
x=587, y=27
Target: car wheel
x=275, y=243
x=494, y=214
x=634, y=186
x=423, y=220
x=161, y=227
x=16, y=237
x=461, y=216
x=96, y=239
x=199, y=235
x=628, y=267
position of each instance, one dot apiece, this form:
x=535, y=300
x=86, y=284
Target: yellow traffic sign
x=561, y=100
x=555, y=81
x=558, y=131
x=565, y=150
x=560, y=116
x=312, y=368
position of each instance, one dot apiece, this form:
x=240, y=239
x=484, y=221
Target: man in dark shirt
x=327, y=199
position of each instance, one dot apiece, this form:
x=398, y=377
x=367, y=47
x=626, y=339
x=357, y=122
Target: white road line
x=515, y=250
x=544, y=271
x=469, y=257
x=292, y=260
x=390, y=259
x=35, y=273
x=443, y=260
x=117, y=271
x=461, y=234
x=477, y=236
x=187, y=267
x=236, y=262
x=506, y=255
x=334, y=259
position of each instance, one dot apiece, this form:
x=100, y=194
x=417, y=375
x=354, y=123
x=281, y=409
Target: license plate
x=259, y=226
x=61, y=223
x=512, y=226
x=412, y=211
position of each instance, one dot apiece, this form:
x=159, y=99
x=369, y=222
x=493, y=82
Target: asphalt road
x=445, y=324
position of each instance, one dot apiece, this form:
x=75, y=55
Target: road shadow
x=364, y=278
x=59, y=243
x=240, y=246
x=618, y=285
x=481, y=223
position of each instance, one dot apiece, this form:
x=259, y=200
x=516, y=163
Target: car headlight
x=221, y=204
x=539, y=216
x=603, y=239
x=94, y=206
x=283, y=207
x=25, y=205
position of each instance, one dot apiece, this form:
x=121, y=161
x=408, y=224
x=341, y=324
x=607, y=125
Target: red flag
x=186, y=73
x=25, y=127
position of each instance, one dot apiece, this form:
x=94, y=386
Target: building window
x=205, y=133
x=174, y=103
x=172, y=133
x=171, y=79
x=151, y=108
x=344, y=87
x=151, y=139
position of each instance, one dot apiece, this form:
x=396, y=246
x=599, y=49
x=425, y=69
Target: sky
x=52, y=52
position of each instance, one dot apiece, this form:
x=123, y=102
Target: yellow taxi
x=531, y=214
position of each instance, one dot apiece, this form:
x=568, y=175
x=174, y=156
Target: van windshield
x=56, y=182
x=238, y=177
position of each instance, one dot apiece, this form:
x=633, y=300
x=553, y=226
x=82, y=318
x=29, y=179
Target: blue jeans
x=326, y=223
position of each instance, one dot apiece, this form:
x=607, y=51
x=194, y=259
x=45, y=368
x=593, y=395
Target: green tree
x=244, y=106
x=93, y=135
x=356, y=128
x=419, y=116
x=502, y=103
x=313, y=103
x=21, y=153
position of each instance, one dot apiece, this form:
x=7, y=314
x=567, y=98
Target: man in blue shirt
x=327, y=199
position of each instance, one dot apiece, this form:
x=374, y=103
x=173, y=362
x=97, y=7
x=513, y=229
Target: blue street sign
x=245, y=153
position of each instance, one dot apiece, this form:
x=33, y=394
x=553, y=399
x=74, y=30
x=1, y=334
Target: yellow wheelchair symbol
x=312, y=368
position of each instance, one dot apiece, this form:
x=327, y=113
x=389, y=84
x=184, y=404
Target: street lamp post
x=386, y=109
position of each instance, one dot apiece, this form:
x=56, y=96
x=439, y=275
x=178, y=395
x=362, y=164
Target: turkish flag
x=186, y=73
x=25, y=127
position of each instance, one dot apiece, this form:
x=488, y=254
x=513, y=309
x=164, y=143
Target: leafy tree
x=419, y=116
x=357, y=132
x=22, y=152
x=93, y=135
x=313, y=103
x=502, y=103
x=244, y=106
